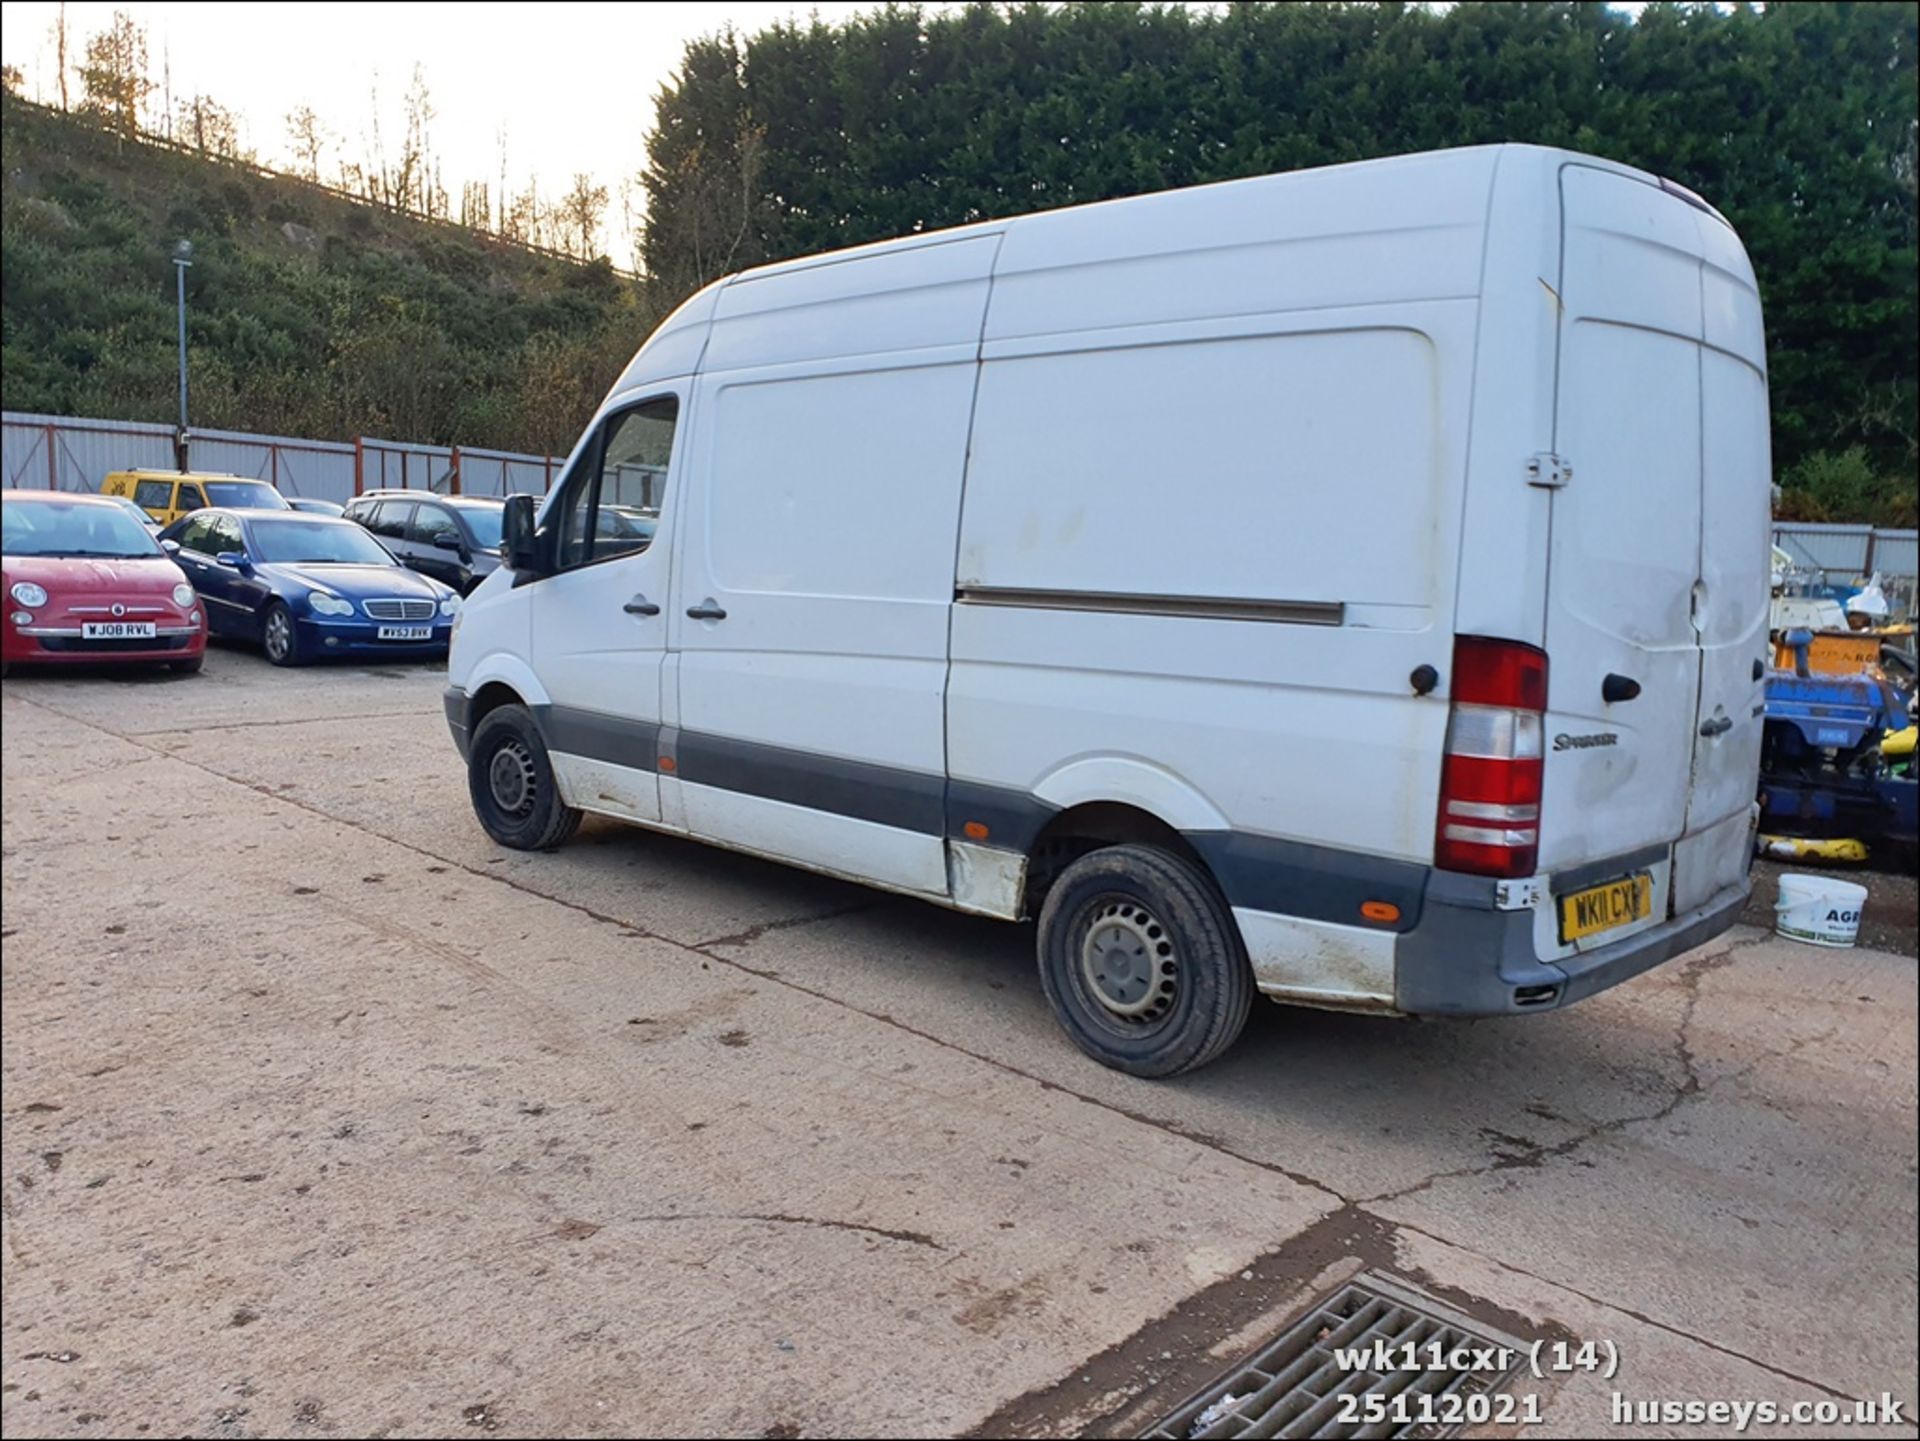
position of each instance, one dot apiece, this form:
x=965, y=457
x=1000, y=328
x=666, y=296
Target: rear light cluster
x=1490, y=782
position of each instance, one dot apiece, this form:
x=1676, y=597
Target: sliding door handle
x=708, y=609
x=640, y=605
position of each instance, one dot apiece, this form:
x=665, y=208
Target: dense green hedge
x=1798, y=122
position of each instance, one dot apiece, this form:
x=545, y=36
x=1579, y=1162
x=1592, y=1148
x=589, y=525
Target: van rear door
x=1652, y=593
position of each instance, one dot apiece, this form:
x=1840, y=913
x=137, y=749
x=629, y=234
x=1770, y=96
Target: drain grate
x=1295, y=1385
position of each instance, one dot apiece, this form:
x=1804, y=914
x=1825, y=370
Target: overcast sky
x=572, y=85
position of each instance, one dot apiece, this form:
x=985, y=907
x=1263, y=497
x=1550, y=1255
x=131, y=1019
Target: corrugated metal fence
x=1846, y=552
x=68, y=453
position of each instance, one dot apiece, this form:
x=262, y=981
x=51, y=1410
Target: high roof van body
x=1348, y=586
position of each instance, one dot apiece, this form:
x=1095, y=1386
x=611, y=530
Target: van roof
x=184, y=475
x=1399, y=170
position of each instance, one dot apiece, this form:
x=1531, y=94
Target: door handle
x=1618, y=688
x=706, y=610
x=640, y=605
x=1759, y=670
x=1718, y=727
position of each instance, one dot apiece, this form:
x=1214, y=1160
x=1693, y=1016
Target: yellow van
x=166, y=495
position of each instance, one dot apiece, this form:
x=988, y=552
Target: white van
x=1348, y=585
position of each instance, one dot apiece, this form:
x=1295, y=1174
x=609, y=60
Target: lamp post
x=182, y=258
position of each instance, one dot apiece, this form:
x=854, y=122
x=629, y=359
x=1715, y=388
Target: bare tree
x=582, y=206
x=412, y=181
x=115, y=73
x=500, y=136
x=60, y=51
x=211, y=128
x=476, y=205
x=373, y=172
x=309, y=139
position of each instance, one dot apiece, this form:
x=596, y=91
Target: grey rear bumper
x=1465, y=959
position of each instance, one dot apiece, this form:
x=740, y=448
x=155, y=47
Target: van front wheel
x=1142, y=962
x=511, y=782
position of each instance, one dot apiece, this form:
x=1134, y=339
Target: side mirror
x=447, y=540
x=519, y=545
x=171, y=547
x=234, y=560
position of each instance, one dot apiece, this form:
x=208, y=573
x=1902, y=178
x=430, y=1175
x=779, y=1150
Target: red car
x=85, y=582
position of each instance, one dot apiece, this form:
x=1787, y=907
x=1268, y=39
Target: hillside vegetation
x=307, y=313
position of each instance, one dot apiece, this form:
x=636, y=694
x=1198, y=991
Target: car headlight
x=183, y=595
x=450, y=606
x=29, y=594
x=324, y=604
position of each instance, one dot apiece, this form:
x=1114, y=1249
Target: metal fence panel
x=500, y=472
x=1825, y=547
x=322, y=469
x=72, y=453
x=62, y=453
x=1896, y=552
x=402, y=465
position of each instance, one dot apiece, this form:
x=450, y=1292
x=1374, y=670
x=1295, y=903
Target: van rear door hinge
x=1549, y=471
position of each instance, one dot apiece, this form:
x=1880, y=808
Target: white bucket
x=1819, y=910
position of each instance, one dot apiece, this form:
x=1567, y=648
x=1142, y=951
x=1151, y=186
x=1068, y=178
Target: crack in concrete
x=909, y=1238
x=254, y=724
x=1529, y=1155
x=754, y=933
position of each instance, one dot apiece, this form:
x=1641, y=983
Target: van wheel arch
x=491, y=696
x=1091, y=826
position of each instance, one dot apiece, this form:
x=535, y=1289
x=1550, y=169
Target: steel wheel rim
x=512, y=780
x=1128, y=965
x=279, y=634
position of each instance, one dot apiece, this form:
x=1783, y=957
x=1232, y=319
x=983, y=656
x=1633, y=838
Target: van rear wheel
x=1142, y=962
x=511, y=782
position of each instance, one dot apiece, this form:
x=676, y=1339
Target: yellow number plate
x=1601, y=908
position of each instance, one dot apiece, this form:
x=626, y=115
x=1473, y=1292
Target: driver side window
x=613, y=505
x=197, y=535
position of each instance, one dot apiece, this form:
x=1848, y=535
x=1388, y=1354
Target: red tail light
x=1490, y=782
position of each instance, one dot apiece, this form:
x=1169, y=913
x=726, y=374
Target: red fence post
x=359, y=465
x=453, y=476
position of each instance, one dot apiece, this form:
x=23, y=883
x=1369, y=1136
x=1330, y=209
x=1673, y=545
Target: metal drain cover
x=1413, y=1347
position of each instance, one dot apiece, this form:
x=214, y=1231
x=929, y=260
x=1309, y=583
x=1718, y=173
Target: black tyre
x=1142, y=962
x=187, y=667
x=279, y=636
x=511, y=782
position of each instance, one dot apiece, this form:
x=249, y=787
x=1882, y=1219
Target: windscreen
x=245, y=495
x=485, y=522
x=52, y=527
x=315, y=542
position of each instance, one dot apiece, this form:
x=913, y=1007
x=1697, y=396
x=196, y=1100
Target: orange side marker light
x=1380, y=910
x=974, y=831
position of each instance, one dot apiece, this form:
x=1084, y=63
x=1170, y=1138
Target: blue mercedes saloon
x=306, y=586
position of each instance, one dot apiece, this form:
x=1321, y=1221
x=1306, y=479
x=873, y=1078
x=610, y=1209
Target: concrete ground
x=324, y=1113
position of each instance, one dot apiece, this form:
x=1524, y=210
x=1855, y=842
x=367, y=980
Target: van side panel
x=1207, y=538
x=828, y=443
